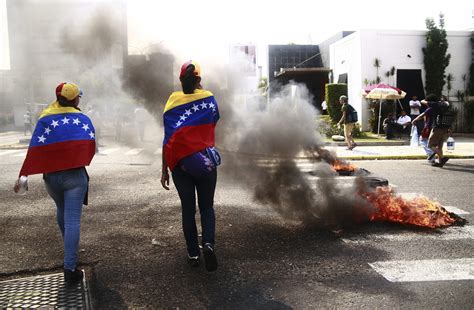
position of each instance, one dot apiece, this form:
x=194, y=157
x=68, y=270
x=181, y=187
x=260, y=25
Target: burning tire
x=375, y=181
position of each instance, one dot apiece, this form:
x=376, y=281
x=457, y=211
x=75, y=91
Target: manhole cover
x=48, y=291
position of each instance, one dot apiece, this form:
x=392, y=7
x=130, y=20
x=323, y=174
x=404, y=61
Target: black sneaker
x=209, y=257
x=443, y=161
x=193, y=261
x=73, y=276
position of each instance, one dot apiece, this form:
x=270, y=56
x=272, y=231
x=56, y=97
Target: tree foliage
x=436, y=58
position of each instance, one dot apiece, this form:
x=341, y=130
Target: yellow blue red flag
x=63, y=138
x=189, y=121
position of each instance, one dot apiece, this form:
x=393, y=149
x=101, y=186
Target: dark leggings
x=187, y=186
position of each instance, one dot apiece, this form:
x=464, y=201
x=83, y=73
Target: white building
x=354, y=55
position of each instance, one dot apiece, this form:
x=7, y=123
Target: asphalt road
x=266, y=261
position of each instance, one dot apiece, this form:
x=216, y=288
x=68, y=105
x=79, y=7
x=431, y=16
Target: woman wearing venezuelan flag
x=62, y=144
x=190, y=118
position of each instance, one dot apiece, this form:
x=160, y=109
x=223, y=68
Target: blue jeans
x=187, y=187
x=424, y=142
x=68, y=189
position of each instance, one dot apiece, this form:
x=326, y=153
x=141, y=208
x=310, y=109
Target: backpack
x=351, y=115
x=445, y=117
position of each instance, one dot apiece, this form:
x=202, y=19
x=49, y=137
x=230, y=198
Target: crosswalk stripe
x=450, y=233
x=158, y=151
x=108, y=151
x=9, y=152
x=22, y=154
x=133, y=151
x=426, y=270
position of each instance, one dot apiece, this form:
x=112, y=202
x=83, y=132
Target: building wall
x=346, y=58
x=288, y=56
x=392, y=49
x=324, y=46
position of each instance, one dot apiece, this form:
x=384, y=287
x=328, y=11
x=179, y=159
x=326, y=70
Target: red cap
x=197, y=68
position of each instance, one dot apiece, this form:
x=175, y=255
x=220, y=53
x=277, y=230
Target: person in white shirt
x=404, y=119
x=324, y=107
x=402, y=125
x=415, y=110
x=415, y=106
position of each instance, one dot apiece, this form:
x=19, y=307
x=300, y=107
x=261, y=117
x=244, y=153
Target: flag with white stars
x=63, y=138
x=189, y=121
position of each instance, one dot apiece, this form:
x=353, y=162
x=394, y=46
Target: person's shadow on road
x=459, y=168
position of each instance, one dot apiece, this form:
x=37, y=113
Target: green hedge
x=333, y=92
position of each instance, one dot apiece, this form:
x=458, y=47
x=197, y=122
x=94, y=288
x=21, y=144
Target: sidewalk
x=14, y=140
x=464, y=148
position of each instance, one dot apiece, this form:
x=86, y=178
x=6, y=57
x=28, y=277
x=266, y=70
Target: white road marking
x=9, y=152
x=158, y=151
x=108, y=151
x=450, y=233
x=426, y=270
x=22, y=154
x=133, y=152
x=455, y=210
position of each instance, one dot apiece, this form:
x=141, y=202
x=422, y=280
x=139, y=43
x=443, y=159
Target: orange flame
x=343, y=166
x=419, y=211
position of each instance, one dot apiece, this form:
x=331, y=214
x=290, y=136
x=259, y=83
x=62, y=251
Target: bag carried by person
x=414, y=136
x=445, y=117
x=351, y=115
x=201, y=163
x=425, y=133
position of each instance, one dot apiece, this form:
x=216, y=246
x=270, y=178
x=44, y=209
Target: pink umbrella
x=383, y=91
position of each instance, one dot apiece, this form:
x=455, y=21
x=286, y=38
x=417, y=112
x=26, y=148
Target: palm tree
x=449, y=81
x=377, y=65
x=464, y=80
x=392, y=73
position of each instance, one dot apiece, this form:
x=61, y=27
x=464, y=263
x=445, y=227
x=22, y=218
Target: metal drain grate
x=43, y=291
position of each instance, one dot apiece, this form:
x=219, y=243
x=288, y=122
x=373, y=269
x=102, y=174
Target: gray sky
x=267, y=22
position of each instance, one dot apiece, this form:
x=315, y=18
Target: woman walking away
x=190, y=117
x=62, y=144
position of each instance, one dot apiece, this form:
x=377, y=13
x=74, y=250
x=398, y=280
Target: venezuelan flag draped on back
x=189, y=121
x=63, y=138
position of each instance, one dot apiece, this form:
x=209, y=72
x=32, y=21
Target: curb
x=395, y=143
x=399, y=157
x=13, y=146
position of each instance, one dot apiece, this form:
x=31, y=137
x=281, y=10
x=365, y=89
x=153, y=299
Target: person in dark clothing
x=388, y=126
x=439, y=134
x=190, y=117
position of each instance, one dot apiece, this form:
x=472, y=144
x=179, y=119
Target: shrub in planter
x=329, y=129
